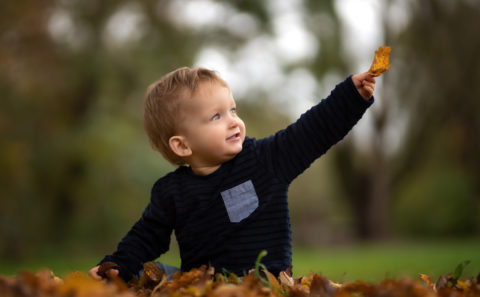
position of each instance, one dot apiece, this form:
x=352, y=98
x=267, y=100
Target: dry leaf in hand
x=104, y=268
x=381, y=61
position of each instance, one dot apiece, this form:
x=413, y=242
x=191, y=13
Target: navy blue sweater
x=226, y=218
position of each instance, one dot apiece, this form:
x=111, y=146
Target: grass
x=369, y=262
x=374, y=262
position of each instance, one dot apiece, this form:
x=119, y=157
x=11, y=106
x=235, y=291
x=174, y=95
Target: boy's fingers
x=365, y=84
x=93, y=273
x=368, y=89
x=109, y=273
x=368, y=84
x=368, y=77
x=371, y=90
x=112, y=272
x=365, y=77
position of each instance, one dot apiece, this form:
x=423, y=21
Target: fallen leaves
x=204, y=282
x=46, y=284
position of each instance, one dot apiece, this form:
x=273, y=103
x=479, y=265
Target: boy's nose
x=233, y=122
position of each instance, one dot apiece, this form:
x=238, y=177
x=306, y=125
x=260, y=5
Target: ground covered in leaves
x=204, y=282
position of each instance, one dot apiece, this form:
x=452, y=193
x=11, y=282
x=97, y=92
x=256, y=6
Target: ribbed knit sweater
x=225, y=219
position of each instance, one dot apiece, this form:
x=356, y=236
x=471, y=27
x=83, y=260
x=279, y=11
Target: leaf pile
x=46, y=284
x=203, y=282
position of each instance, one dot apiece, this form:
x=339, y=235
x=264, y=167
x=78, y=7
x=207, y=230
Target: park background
x=400, y=195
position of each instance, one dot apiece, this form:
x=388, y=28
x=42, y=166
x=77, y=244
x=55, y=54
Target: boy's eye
x=233, y=110
x=216, y=117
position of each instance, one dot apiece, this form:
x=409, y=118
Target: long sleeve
x=290, y=151
x=148, y=238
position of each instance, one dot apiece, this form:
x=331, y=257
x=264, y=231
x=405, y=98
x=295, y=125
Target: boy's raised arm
x=292, y=150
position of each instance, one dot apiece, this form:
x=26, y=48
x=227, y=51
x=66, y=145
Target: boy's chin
x=239, y=148
x=233, y=153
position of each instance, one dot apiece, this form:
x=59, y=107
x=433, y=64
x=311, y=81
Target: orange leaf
x=381, y=61
x=427, y=279
x=273, y=280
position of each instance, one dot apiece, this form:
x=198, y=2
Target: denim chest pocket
x=240, y=201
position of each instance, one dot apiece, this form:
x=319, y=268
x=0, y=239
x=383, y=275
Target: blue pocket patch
x=240, y=201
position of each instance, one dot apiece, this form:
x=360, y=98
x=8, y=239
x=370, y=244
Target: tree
x=437, y=84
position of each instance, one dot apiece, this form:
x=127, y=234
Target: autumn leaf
x=104, y=269
x=322, y=287
x=285, y=279
x=427, y=279
x=274, y=284
x=381, y=61
x=459, y=271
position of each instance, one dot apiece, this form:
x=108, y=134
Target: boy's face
x=210, y=125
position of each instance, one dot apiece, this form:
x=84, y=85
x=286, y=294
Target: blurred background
x=399, y=196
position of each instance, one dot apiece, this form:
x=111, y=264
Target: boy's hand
x=94, y=273
x=365, y=84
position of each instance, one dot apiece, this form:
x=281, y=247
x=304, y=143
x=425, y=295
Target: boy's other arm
x=147, y=239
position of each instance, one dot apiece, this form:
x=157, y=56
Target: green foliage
x=259, y=266
x=435, y=203
x=457, y=273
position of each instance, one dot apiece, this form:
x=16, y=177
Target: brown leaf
x=306, y=281
x=285, y=279
x=427, y=279
x=196, y=276
x=359, y=287
x=81, y=285
x=273, y=280
x=316, y=287
x=298, y=291
x=381, y=61
x=160, y=285
x=153, y=272
x=227, y=290
x=105, y=268
x=322, y=287
x=442, y=281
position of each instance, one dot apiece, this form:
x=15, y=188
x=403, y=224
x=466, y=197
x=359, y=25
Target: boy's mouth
x=234, y=137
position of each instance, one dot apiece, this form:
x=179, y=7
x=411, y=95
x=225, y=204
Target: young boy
x=227, y=200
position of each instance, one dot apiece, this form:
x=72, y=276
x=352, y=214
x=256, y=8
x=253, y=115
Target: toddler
x=227, y=200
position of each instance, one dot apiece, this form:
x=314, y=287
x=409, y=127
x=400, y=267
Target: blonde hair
x=162, y=105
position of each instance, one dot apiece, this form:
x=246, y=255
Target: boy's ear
x=179, y=146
